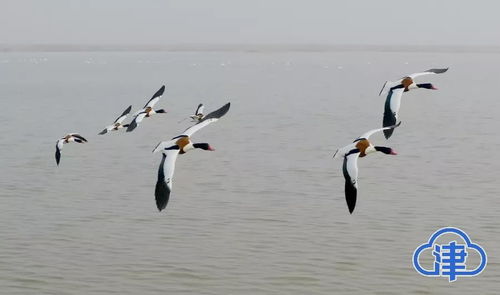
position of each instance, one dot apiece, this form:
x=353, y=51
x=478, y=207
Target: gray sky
x=378, y=22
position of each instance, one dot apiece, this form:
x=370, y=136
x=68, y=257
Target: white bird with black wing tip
x=359, y=148
x=396, y=89
x=147, y=110
x=118, y=122
x=180, y=145
x=67, y=139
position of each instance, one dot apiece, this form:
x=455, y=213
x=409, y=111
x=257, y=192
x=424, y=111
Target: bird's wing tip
x=335, y=155
x=383, y=87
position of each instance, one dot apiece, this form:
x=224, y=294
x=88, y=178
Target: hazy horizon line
x=244, y=47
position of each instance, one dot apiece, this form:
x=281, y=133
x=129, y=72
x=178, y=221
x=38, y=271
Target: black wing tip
x=217, y=114
x=223, y=110
x=160, y=91
x=196, y=113
x=349, y=188
x=131, y=126
x=350, y=196
x=383, y=87
x=157, y=94
x=79, y=137
x=127, y=110
x=103, y=132
x=336, y=152
x=438, y=71
x=162, y=194
x=388, y=133
x=58, y=157
x=389, y=120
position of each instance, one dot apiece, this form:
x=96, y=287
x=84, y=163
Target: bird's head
x=385, y=150
x=426, y=86
x=203, y=146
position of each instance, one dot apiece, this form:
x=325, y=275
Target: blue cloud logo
x=450, y=259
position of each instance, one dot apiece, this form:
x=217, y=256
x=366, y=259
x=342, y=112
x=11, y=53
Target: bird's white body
x=395, y=100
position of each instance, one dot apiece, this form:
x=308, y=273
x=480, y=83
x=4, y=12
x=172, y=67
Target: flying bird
x=118, y=122
x=198, y=114
x=408, y=81
x=396, y=89
x=359, y=148
x=147, y=110
x=180, y=145
x=67, y=139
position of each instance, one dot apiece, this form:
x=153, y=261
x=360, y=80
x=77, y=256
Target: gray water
x=263, y=214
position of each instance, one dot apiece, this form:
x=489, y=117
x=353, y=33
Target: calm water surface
x=263, y=214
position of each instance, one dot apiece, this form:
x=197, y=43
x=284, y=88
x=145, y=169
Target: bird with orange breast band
x=359, y=148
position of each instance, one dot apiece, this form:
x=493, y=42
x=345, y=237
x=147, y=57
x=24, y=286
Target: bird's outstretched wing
x=391, y=109
x=78, y=138
x=155, y=98
x=164, y=144
x=428, y=72
x=165, y=176
x=390, y=84
x=59, y=146
x=210, y=118
x=350, y=170
x=383, y=87
x=367, y=135
x=123, y=115
x=199, y=109
x=136, y=121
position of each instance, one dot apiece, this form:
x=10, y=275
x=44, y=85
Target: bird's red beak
x=393, y=152
x=210, y=148
x=434, y=88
